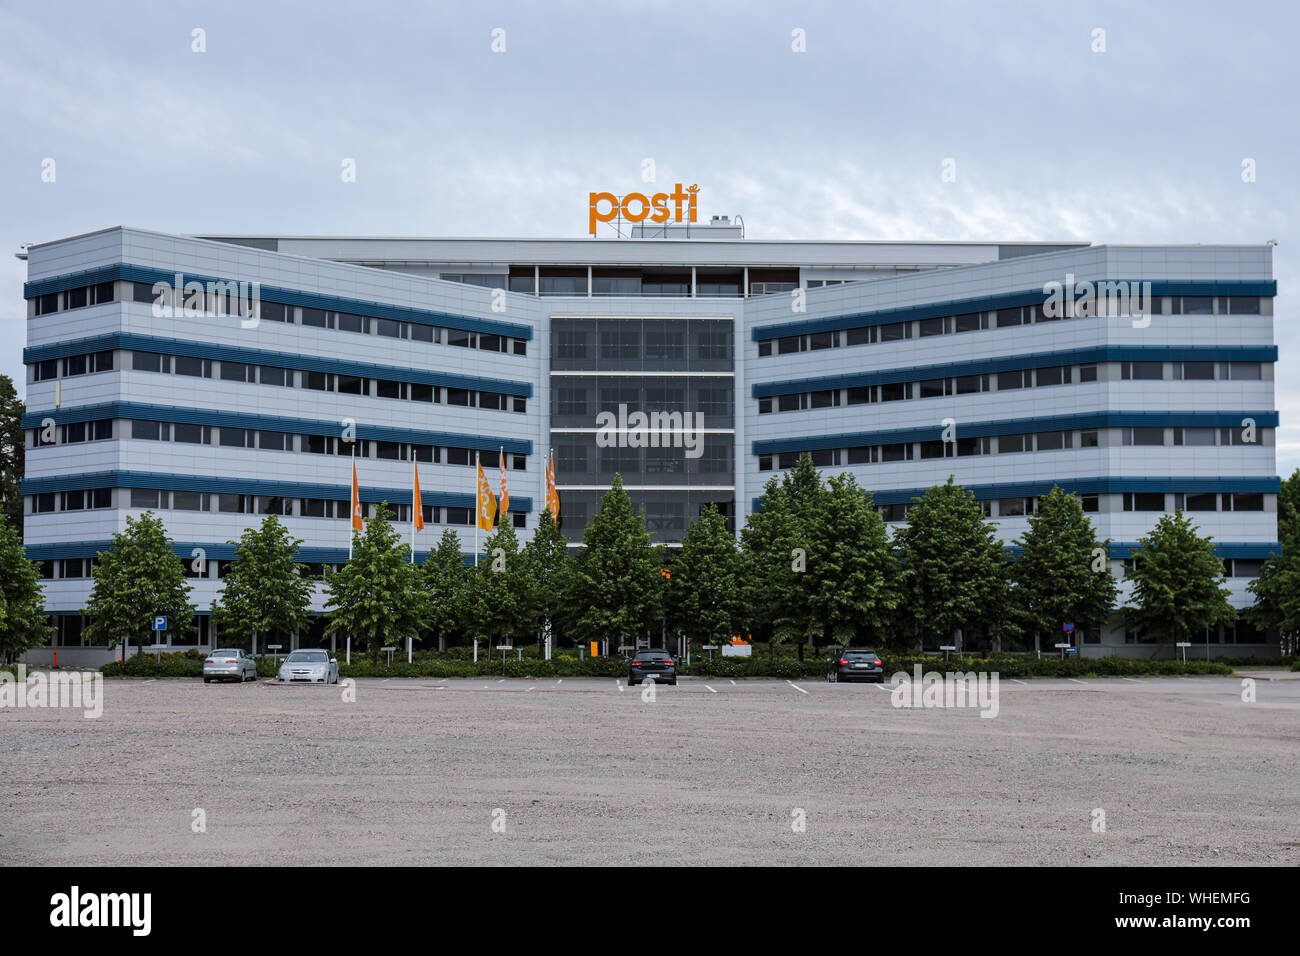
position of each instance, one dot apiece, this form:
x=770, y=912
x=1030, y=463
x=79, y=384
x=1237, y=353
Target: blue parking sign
x=160, y=623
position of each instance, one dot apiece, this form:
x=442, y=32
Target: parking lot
x=585, y=770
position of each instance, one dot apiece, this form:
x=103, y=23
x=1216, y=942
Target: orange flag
x=418, y=514
x=487, y=502
x=504, y=508
x=357, y=524
x=552, y=496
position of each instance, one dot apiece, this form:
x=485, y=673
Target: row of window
x=77, y=298
x=159, y=500
x=228, y=437
x=1011, y=444
x=1131, y=501
x=1005, y=381
x=998, y=319
x=325, y=382
x=73, y=365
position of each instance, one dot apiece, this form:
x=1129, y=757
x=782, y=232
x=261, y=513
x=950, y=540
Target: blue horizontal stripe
x=292, y=360
x=247, y=486
x=270, y=423
x=1047, y=423
x=1008, y=300
x=1011, y=363
x=314, y=300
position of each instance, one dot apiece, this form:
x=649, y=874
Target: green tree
x=23, y=621
x=705, y=598
x=1062, y=574
x=1277, y=588
x=549, y=567
x=776, y=542
x=264, y=590
x=616, y=589
x=137, y=578
x=12, y=445
x=953, y=567
x=379, y=593
x=1176, y=582
x=852, y=577
x=447, y=581
x=497, y=600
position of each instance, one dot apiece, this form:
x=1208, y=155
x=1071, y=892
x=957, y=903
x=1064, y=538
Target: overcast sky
x=1141, y=143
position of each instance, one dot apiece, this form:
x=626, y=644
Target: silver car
x=229, y=663
x=309, y=667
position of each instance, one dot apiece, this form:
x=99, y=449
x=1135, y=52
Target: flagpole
x=476, y=494
x=354, y=474
x=413, y=506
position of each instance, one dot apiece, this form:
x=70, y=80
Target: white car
x=309, y=667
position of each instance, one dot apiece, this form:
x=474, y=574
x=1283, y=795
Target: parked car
x=309, y=667
x=229, y=663
x=856, y=663
x=656, y=664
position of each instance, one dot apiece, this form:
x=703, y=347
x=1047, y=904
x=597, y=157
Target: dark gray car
x=856, y=663
x=654, y=664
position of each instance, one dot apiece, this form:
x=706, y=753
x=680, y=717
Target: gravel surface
x=710, y=772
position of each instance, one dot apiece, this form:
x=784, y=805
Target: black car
x=658, y=664
x=856, y=663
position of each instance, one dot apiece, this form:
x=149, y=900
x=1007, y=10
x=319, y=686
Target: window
x=1243, y=502
x=895, y=331
x=862, y=336
x=1203, y=501
x=1007, y=317
x=236, y=372
x=459, y=396
x=972, y=322
x=896, y=392
x=188, y=501
x=972, y=446
x=1089, y=439
x=790, y=403
x=150, y=431
x=1017, y=379
x=347, y=322
x=896, y=452
x=1087, y=373
x=46, y=304
x=201, y=368
x=1194, y=436
x=1090, y=503
x=46, y=370
x=861, y=395
x=1244, y=371
x=1055, y=375
x=318, y=318
x=1243, y=304
x=149, y=362
x=928, y=327
x=275, y=441
x=1198, y=305
x=933, y=449
x=43, y=502
x=1051, y=441
x=144, y=498
x=824, y=399
x=934, y=388
x=788, y=344
x=1196, y=371
x=422, y=393
x=765, y=347
x=191, y=434
x=862, y=455
x=966, y=384
x=74, y=365
x=820, y=340
x=1237, y=436
x=1011, y=443
x=1144, y=436
x=352, y=385
x=75, y=298
x=1144, y=501
x=1142, y=371
x=234, y=437
x=320, y=381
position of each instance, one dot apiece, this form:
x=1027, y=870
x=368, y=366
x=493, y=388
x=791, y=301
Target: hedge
x=190, y=664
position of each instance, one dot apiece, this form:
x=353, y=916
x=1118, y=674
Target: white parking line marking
x=1133, y=679
x=711, y=690
x=733, y=683
x=619, y=684
x=501, y=681
x=559, y=682
x=531, y=689
x=799, y=689
x=1072, y=680
x=1014, y=681
x=881, y=686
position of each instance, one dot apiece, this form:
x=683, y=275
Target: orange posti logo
x=636, y=207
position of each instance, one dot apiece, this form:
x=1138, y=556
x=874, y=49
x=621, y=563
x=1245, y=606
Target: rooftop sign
x=636, y=207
